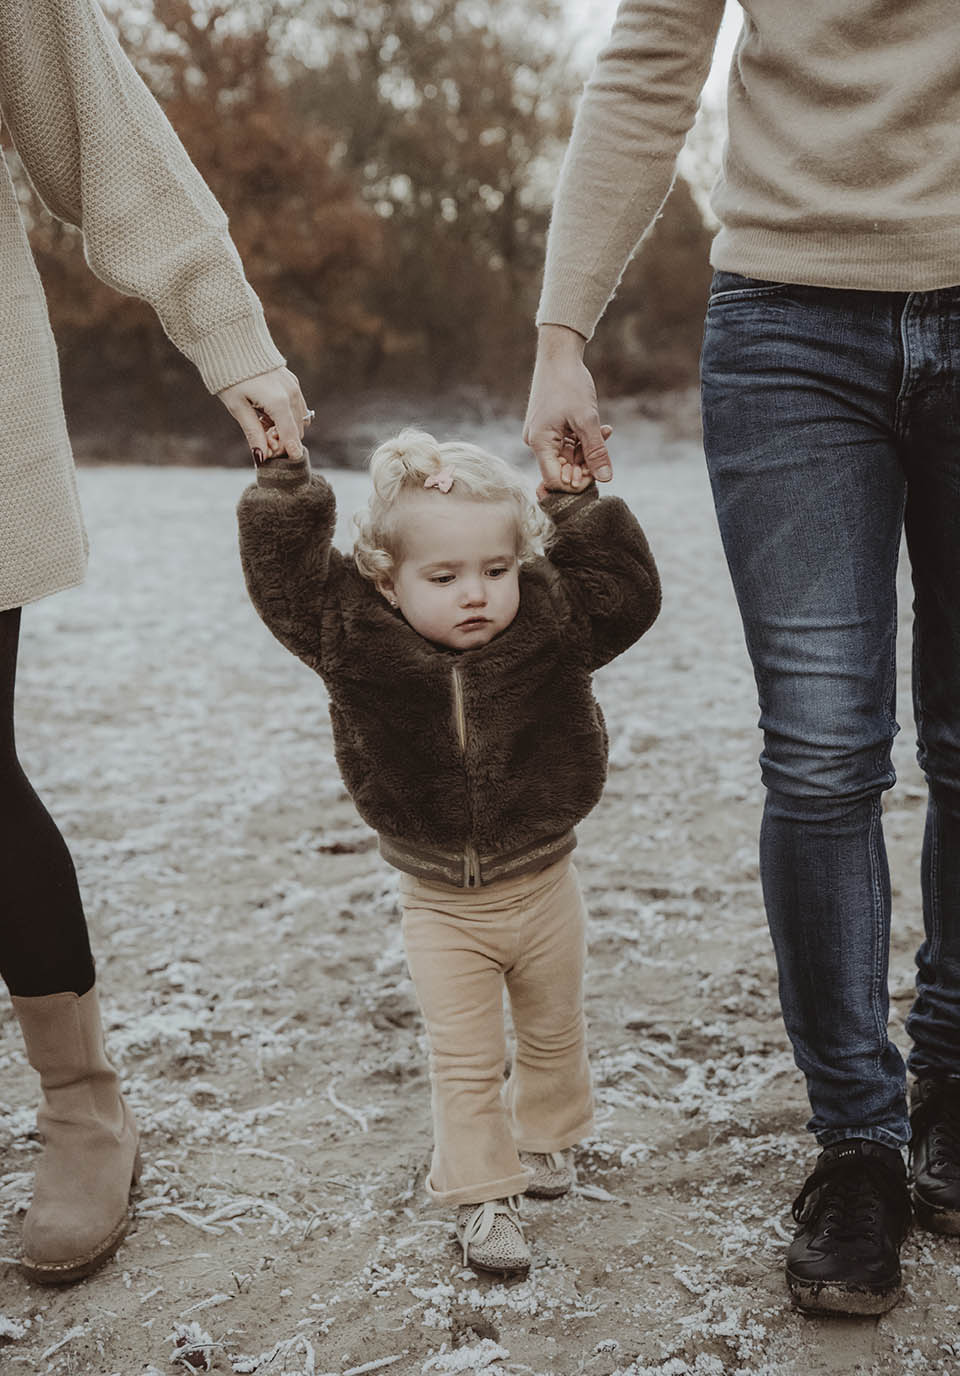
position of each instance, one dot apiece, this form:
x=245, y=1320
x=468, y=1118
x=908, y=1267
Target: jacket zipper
x=471, y=861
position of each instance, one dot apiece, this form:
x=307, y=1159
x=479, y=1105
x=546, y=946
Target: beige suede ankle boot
x=79, y=1213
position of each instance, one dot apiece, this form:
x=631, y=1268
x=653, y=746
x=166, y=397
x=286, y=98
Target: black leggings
x=44, y=947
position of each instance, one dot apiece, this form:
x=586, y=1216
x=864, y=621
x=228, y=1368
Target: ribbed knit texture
x=102, y=156
x=842, y=167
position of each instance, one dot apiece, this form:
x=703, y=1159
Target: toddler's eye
x=441, y=578
x=497, y=572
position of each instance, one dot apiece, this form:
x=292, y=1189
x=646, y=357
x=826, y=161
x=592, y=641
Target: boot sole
x=63, y=1272
x=818, y=1298
x=934, y=1217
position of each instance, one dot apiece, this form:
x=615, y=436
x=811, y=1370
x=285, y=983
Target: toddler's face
x=457, y=582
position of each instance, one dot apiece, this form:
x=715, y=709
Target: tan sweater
x=103, y=157
x=842, y=166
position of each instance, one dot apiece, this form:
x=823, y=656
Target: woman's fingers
x=270, y=411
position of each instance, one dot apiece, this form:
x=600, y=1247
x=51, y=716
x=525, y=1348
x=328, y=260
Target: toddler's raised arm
x=287, y=520
x=606, y=569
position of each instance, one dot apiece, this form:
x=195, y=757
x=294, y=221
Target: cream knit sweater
x=842, y=165
x=103, y=157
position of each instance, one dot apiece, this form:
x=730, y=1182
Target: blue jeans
x=831, y=423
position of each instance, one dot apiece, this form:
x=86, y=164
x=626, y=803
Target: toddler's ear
x=385, y=589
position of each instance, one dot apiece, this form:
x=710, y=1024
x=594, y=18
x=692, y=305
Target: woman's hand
x=270, y=411
x=562, y=426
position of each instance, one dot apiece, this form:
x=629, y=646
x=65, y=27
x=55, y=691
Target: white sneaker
x=491, y=1236
x=554, y=1173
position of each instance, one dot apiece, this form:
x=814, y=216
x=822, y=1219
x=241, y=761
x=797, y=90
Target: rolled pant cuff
x=480, y=1194
x=544, y=1145
x=886, y=1138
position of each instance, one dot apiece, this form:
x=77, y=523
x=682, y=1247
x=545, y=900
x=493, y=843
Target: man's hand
x=563, y=424
x=270, y=411
x=580, y=478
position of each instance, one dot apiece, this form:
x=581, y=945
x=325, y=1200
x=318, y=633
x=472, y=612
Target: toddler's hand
x=566, y=471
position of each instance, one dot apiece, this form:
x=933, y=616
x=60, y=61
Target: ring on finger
x=311, y=415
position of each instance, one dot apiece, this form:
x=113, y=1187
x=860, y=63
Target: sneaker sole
x=546, y=1191
x=494, y=1270
x=817, y=1298
x=934, y=1217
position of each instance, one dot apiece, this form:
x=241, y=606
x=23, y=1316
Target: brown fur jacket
x=472, y=765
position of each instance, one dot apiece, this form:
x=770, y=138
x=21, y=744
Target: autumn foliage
x=387, y=169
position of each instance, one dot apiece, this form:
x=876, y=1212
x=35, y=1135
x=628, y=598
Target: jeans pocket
x=728, y=287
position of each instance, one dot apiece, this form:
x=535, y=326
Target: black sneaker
x=853, y=1214
x=935, y=1153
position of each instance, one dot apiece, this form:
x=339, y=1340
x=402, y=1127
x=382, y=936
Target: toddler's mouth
x=472, y=622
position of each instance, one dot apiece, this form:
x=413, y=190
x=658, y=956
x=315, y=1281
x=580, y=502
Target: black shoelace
x=852, y=1193
x=939, y=1117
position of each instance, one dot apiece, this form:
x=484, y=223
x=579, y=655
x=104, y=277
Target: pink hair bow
x=442, y=479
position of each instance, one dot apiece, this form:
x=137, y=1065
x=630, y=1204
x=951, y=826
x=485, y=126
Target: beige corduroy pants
x=462, y=946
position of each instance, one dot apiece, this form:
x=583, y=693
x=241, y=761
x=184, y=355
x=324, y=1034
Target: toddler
x=457, y=656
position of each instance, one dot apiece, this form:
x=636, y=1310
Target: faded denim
x=831, y=423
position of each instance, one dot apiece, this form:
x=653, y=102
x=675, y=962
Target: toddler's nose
x=473, y=594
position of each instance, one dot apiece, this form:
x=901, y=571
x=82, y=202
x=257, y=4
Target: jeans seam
x=735, y=294
x=905, y=372
x=878, y=927
x=936, y=924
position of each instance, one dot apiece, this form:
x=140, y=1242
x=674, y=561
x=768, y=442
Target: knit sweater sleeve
x=103, y=156
x=286, y=521
x=607, y=573
x=634, y=115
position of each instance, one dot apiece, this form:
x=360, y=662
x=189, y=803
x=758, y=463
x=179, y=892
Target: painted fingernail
x=258, y=457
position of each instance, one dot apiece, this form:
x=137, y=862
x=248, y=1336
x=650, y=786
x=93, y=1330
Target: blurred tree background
x=387, y=168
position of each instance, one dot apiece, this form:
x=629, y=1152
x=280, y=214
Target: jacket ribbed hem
x=240, y=350
x=442, y=865
x=879, y=261
x=560, y=506
x=284, y=474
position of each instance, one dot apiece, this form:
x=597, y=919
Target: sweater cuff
x=236, y=352
x=560, y=506
x=284, y=474
x=572, y=298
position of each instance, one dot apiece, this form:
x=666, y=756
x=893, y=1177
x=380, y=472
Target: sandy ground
x=258, y=1004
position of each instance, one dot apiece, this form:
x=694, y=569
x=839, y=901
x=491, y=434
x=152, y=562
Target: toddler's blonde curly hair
x=403, y=464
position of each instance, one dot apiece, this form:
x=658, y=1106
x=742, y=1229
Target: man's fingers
x=595, y=456
x=545, y=452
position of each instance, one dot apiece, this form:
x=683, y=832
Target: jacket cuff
x=236, y=352
x=284, y=474
x=560, y=506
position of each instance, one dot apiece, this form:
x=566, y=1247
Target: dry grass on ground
x=258, y=1004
